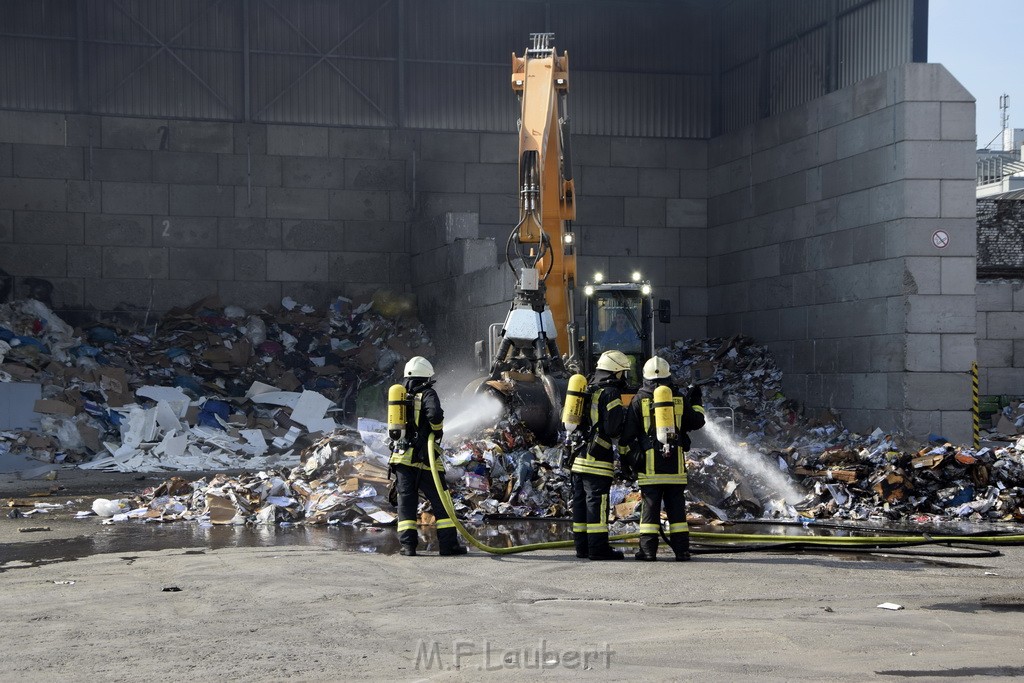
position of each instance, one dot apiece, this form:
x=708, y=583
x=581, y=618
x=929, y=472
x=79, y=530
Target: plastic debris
x=196, y=391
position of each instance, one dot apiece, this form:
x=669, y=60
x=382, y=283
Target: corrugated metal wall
x=176, y=58
x=664, y=68
x=777, y=54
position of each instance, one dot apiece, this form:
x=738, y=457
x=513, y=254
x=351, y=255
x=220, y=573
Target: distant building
x=1001, y=171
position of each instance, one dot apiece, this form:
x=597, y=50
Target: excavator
x=522, y=358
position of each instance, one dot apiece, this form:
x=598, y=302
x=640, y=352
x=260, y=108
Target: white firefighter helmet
x=656, y=367
x=418, y=366
x=613, y=361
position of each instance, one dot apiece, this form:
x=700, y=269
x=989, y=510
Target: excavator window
x=615, y=320
x=618, y=324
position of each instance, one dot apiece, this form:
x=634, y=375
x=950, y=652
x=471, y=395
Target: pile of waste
x=770, y=459
x=209, y=387
x=277, y=392
x=343, y=479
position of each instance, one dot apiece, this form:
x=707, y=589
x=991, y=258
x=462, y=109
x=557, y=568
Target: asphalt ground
x=87, y=601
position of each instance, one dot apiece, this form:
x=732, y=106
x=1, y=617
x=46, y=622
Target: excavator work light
x=568, y=238
x=589, y=290
x=636, y=276
x=598, y=278
x=645, y=290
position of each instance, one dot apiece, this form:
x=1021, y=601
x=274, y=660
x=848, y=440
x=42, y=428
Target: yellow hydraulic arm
x=546, y=188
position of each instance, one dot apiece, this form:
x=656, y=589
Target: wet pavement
x=88, y=536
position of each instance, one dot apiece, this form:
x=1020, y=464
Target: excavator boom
x=527, y=368
x=546, y=187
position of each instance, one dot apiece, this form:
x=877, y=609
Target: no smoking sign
x=940, y=239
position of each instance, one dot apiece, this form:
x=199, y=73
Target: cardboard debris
x=53, y=407
x=124, y=399
x=214, y=387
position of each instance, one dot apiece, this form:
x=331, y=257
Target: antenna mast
x=1004, y=107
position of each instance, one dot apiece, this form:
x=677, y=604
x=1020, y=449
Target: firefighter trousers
x=672, y=497
x=590, y=514
x=411, y=481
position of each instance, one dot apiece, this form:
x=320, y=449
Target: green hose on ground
x=765, y=539
x=446, y=499
x=879, y=541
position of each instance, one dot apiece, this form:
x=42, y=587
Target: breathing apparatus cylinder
x=664, y=415
x=397, y=412
x=575, y=395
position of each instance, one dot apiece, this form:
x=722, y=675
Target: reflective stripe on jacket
x=606, y=417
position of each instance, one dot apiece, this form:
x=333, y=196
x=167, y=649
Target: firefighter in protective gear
x=661, y=467
x=594, y=464
x=411, y=464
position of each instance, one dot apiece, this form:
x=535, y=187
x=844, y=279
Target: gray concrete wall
x=820, y=244
x=145, y=214
x=1001, y=337
x=460, y=290
x=641, y=205
x=142, y=213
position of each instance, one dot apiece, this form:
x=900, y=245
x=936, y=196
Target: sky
x=980, y=42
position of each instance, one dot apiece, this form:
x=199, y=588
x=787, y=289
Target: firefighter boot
x=448, y=542
x=579, y=539
x=600, y=549
x=680, y=542
x=408, y=537
x=648, y=551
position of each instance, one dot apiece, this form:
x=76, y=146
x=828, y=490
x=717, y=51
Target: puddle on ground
x=128, y=538
x=992, y=603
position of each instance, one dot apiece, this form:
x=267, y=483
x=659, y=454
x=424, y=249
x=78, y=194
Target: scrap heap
x=210, y=387
x=845, y=475
x=215, y=387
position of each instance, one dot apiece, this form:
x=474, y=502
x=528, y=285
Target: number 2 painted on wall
x=167, y=227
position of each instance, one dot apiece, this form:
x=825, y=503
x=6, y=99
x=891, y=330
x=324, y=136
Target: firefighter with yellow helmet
x=414, y=414
x=593, y=464
x=655, y=435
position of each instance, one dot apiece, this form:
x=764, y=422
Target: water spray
x=751, y=462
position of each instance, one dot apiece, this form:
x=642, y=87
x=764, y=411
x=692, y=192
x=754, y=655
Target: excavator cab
x=619, y=316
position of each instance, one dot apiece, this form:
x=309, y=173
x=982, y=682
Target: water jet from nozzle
x=751, y=462
x=469, y=413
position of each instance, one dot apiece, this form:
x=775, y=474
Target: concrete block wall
x=1000, y=328
x=460, y=289
x=641, y=205
x=820, y=243
x=146, y=214
x=140, y=214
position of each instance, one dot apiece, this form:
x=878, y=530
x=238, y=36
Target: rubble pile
x=334, y=482
x=343, y=479
x=844, y=475
x=209, y=387
x=277, y=393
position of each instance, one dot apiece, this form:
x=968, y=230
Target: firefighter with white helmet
x=594, y=464
x=410, y=433
x=657, y=420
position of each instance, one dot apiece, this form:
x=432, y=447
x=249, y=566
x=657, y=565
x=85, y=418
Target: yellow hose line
x=853, y=540
x=768, y=539
x=446, y=500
